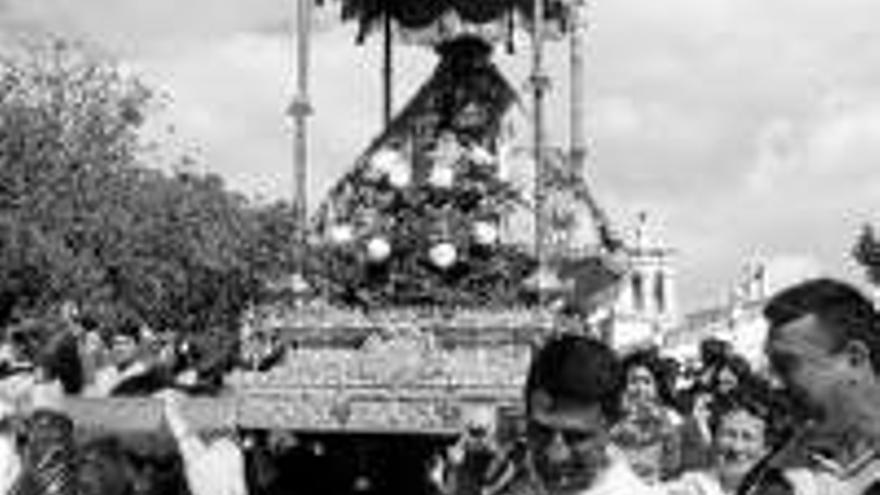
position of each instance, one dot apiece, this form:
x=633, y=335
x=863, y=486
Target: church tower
x=647, y=304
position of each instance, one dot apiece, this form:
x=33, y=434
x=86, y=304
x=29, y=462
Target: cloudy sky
x=747, y=128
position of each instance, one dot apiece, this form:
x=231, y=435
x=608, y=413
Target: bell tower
x=647, y=305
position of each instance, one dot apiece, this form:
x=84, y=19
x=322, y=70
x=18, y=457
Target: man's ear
x=858, y=354
x=540, y=400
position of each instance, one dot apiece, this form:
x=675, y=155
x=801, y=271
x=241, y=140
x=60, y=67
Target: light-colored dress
x=620, y=479
x=650, y=437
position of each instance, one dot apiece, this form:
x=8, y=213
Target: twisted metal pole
x=300, y=110
x=540, y=83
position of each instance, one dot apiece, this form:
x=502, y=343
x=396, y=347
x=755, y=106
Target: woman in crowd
x=725, y=379
x=739, y=441
x=649, y=433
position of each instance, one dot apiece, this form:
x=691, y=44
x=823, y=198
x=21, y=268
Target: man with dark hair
x=824, y=346
x=127, y=364
x=573, y=398
x=60, y=359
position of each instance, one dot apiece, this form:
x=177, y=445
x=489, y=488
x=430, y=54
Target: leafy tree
x=82, y=217
x=270, y=250
x=68, y=123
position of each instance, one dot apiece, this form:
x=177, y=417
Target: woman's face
x=125, y=349
x=640, y=384
x=739, y=444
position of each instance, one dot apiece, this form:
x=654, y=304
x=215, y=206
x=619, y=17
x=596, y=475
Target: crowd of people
x=599, y=423
x=125, y=359
x=44, y=360
x=595, y=422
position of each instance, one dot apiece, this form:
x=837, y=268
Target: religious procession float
x=446, y=252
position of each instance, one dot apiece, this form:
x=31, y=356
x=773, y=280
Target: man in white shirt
x=573, y=399
x=824, y=346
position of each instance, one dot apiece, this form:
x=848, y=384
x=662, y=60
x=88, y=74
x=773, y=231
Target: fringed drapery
x=420, y=14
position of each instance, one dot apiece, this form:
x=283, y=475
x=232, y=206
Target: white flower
x=400, y=176
x=341, y=234
x=442, y=176
x=485, y=233
x=385, y=160
x=481, y=156
x=443, y=255
x=378, y=249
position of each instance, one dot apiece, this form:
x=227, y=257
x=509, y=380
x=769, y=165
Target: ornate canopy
x=421, y=14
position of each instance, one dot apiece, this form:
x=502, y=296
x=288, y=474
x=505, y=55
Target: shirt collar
x=827, y=453
x=844, y=470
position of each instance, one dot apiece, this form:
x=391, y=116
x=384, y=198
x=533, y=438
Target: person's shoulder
x=520, y=485
x=771, y=476
x=695, y=481
x=770, y=482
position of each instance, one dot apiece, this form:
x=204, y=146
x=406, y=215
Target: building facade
x=646, y=306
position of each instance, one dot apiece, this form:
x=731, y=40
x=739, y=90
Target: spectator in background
x=46, y=460
x=93, y=352
x=475, y=464
x=48, y=452
x=45, y=349
x=649, y=431
x=739, y=441
x=127, y=363
x=205, y=359
x=722, y=381
x=60, y=360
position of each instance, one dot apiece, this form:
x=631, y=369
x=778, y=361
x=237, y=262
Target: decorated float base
x=398, y=372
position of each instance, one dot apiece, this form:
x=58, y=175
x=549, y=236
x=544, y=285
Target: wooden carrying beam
x=421, y=410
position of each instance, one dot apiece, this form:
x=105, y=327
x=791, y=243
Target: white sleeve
x=803, y=482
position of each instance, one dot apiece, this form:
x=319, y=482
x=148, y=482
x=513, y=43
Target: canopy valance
x=421, y=14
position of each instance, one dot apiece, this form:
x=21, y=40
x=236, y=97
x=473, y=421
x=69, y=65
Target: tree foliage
x=85, y=216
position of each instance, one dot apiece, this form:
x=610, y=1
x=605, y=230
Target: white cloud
x=779, y=154
x=833, y=154
x=617, y=116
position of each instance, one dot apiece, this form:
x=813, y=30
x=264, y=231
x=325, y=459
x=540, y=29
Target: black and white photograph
x=439, y=247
